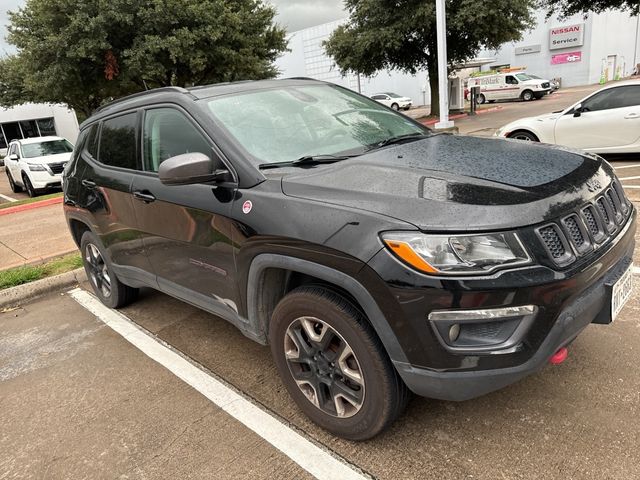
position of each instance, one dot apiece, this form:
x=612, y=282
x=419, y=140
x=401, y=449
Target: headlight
x=36, y=167
x=457, y=254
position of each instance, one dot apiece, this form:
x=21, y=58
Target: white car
x=553, y=84
x=36, y=164
x=607, y=121
x=393, y=100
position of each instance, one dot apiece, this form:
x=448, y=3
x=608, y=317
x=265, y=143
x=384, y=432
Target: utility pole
x=443, y=81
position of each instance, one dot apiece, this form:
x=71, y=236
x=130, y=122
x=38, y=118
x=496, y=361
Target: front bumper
x=567, y=302
x=42, y=180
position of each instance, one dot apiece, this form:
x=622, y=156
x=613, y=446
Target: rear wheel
x=333, y=364
x=524, y=135
x=481, y=99
x=15, y=188
x=111, y=291
x=527, y=95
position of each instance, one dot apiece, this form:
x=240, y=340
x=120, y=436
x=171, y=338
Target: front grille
x=591, y=226
x=56, y=168
x=551, y=238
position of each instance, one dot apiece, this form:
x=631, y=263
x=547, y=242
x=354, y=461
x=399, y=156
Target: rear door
x=610, y=120
x=187, y=230
x=112, y=157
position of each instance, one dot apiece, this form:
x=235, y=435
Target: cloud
x=298, y=14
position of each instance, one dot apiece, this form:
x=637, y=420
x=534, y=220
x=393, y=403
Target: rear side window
x=91, y=144
x=167, y=133
x=118, y=142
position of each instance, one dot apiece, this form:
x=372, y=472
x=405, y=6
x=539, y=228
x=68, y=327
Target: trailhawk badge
x=247, y=206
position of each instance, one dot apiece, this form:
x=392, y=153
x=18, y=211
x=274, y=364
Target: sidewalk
x=33, y=236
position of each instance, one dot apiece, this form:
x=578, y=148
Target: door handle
x=632, y=116
x=144, y=196
x=89, y=183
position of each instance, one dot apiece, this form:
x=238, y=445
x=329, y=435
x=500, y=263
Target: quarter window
x=168, y=133
x=91, y=145
x=118, y=142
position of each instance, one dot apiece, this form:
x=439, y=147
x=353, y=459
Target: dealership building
x=578, y=50
x=36, y=120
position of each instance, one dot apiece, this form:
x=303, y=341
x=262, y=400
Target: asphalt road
x=79, y=401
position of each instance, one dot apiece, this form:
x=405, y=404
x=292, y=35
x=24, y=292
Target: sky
x=292, y=15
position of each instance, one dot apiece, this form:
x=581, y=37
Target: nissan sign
x=566, y=36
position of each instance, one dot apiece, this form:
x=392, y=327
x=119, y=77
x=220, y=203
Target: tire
x=363, y=371
x=481, y=99
x=492, y=101
x=15, y=188
x=111, y=291
x=527, y=95
x=524, y=135
x=395, y=106
x=28, y=186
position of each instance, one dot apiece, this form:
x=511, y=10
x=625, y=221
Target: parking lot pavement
x=77, y=400
x=33, y=235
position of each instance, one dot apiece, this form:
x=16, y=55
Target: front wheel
x=527, y=95
x=524, y=135
x=111, y=291
x=333, y=364
x=395, y=106
x=29, y=186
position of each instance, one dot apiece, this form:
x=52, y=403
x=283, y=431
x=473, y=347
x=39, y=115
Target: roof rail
x=142, y=94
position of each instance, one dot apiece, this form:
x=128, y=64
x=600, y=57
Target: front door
x=609, y=119
x=187, y=230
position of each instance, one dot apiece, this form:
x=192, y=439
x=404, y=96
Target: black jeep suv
x=377, y=258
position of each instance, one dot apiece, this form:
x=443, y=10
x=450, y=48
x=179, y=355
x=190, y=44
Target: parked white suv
x=509, y=86
x=393, y=100
x=36, y=164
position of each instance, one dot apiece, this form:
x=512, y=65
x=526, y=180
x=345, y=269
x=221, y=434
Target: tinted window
x=91, y=145
x=168, y=133
x=618, y=97
x=511, y=80
x=29, y=128
x=47, y=127
x=3, y=140
x=118, y=142
x=51, y=147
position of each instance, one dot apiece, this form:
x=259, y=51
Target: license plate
x=621, y=292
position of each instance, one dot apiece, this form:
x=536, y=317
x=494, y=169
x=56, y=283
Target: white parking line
x=8, y=199
x=631, y=186
x=636, y=177
x=635, y=165
x=636, y=270
x=318, y=462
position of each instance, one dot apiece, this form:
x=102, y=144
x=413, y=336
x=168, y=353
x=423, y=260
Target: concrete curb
x=16, y=295
x=30, y=206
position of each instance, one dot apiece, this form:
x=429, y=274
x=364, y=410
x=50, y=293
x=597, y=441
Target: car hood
x=47, y=159
x=447, y=182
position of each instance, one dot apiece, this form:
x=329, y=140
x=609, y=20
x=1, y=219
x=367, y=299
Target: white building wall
x=614, y=34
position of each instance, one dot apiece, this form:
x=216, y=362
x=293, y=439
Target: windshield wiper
x=399, y=139
x=306, y=160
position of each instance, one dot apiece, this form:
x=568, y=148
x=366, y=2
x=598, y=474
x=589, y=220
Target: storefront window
x=11, y=131
x=47, y=127
x=3, y=141
x=29, y=128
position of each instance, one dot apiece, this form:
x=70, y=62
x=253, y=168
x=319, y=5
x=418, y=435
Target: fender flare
x=360, y=294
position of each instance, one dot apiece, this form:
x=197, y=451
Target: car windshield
x=288, y=123
x=50, y=147
x=523, y=76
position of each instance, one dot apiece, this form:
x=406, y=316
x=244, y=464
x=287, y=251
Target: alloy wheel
x=519, y=136
x=324, y=367
x=98, y=271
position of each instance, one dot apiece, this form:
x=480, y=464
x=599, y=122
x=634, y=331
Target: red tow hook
x=559, y=357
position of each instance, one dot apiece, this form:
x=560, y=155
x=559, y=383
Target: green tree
x=83, y=52
x=566, y=8
x=402, y=34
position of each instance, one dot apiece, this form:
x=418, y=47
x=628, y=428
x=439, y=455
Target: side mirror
x=13, y=157
x=577, y=110
x=190, y=168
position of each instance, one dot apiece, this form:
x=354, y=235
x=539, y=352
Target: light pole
x=443, y=82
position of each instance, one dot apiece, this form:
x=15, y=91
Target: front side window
x=118, y=142
x=617, y=97
x=42, y=149
x=167, y=133
x=511, y=80
x=287, y=123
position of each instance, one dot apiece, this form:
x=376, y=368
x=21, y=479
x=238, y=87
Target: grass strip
x=29, y=273
x=30, y=200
